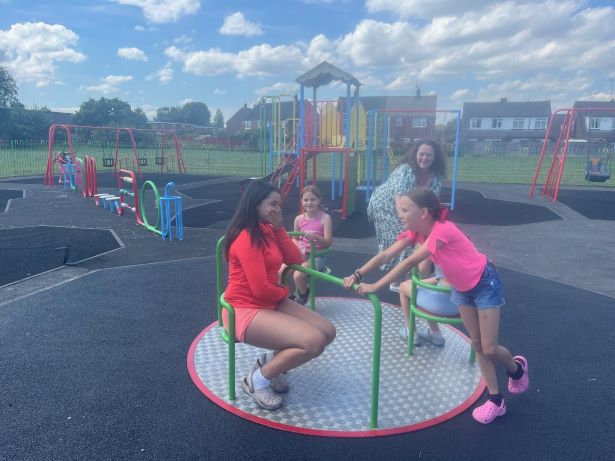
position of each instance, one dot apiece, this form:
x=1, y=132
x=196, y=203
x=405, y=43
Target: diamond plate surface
x=332, y=392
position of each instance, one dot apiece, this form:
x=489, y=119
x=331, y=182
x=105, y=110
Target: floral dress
x=381, y=208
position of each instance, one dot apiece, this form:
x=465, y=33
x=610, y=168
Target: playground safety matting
x=27, y=251
x=330, y=396
x=7, y=195
x=593, y=204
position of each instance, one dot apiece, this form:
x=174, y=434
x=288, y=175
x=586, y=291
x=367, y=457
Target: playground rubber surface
x=593, y=204
x=6, y=195
x=96, y=366
x=27, y=251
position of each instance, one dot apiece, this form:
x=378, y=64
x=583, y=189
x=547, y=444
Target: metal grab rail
x=377, y=335
x=314, y=253
x=414, y=311
x=229, y=338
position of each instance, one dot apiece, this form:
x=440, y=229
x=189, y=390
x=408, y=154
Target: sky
x=154, y=53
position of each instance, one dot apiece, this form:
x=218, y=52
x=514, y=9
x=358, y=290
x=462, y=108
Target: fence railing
x=497, y=166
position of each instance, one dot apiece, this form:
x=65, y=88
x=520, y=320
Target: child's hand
x=310, y=235
x=349, y=281
x=367, y=288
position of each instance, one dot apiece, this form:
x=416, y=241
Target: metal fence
x=502, y=163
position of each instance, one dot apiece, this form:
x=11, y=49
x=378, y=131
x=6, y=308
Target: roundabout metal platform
x=330, y=396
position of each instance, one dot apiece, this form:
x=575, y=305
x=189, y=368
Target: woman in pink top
x=476, y=289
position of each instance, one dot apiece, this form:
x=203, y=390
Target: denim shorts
x=487, y=293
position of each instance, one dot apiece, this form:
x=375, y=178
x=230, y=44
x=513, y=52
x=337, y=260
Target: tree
x=218, y=119
x=196, y=113
x=8, y=90
x=108, y=112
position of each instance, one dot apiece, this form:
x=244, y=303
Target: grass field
x=30, y=159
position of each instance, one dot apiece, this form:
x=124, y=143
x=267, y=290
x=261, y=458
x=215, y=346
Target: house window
x=518, y=124
x=247, y=125
x=419, y=122
x=399, y=121
x=496, y=123
x=540, y=124
x=594, y=123
x=475, y=122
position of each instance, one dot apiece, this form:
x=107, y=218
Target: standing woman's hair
x=246, y=214
x=439, y=162
x=426, y=198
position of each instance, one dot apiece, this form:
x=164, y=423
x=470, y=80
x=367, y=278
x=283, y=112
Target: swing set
x=114, y=161
x=598, y=159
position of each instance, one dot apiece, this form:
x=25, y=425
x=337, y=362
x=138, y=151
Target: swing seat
x=596, y=171
x=108, y=161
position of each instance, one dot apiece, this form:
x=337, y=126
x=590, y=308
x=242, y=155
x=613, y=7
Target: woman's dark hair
x=427, y=198
x=439, y=162
x=246, y=214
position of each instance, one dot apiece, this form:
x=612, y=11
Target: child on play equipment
x=256, y=245
x=436, y=302
x=316, y=226
x=476, y=289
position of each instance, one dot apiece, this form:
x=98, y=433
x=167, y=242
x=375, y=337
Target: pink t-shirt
x=311, y=224
x=459, y=259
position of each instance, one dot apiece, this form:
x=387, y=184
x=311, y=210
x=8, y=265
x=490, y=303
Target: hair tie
x=443, y=213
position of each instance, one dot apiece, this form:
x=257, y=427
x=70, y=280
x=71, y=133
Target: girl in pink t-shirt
x=316, y=226
x=476, y=288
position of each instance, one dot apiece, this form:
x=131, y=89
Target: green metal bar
x=155, y=228
x=219, y=249
x=377, y=335
x=229, y=338
x=417, y=282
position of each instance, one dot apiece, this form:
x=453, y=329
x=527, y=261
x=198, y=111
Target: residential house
x=505, y=121
x=409, y=118
x=595, y=123
x=249, y=118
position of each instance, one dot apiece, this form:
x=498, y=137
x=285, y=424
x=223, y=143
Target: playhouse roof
x=325, y=73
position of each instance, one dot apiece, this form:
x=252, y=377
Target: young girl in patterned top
x=316, y=226
x=476, y=289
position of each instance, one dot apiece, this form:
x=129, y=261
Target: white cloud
x=32, y=50
x=134, y=54
x=425, y=8
x=182, y=40
x=109, y=85
x=164, y=11
x=149, y=111
x=277, y=88
x=258, y=61
x=460, y=95
x=163, y=75
x=375, y=43
x=183, y=102
x=237, y=24
x=219, y=91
